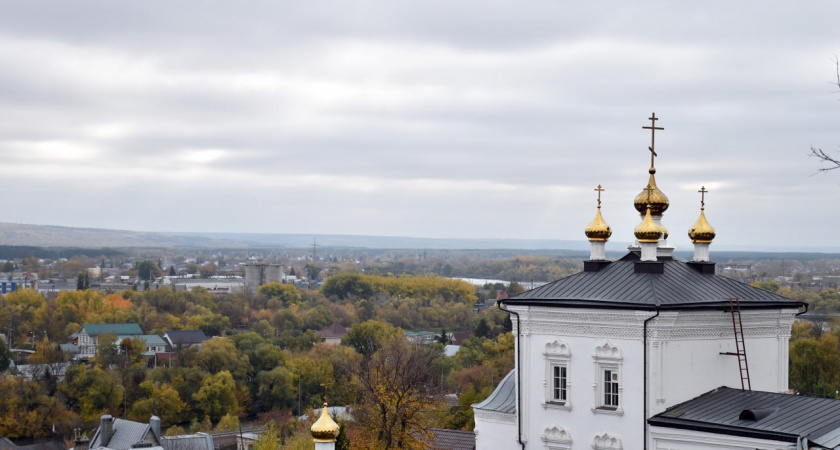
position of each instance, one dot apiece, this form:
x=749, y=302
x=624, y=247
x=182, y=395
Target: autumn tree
x=397, y=393
x=287, y=294
x=815, y=365
x=217, y=396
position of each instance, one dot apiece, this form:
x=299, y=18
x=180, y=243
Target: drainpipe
x=518, y=379
x=645, y=348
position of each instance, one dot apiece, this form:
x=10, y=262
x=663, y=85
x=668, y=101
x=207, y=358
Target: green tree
x=217, y=396
x=345, y=285
x=482, y=329
x=148, y=270
x=367, y=337
x=228, y=422
x=83, y=282
x=5, y=356
x=815, y=365
x=285, y=293
x=8, y=267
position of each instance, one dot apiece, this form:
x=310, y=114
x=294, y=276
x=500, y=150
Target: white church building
x=649, y=352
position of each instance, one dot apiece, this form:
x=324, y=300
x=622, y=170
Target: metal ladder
x=740, y=350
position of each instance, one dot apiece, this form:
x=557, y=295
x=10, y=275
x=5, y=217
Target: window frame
x=607, y=359
x=557, y=355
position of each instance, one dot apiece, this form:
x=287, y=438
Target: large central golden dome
x=655, y=199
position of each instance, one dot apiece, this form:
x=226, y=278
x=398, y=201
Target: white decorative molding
x=495, y=416
x=557, y=348
x=606, y=441
x=557, y=438
x=607, y=351
x=557, y=435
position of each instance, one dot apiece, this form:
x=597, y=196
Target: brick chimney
x=106, y=430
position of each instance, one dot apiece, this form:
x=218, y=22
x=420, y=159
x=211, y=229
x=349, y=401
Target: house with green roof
x=90, y=332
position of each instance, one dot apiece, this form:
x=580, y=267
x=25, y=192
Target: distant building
x=333, y=334
x=257, y=275
x=88, y=335
x=184, y=338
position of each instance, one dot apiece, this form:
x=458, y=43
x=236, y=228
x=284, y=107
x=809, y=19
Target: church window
x=557, y=380
x=558, y=383
x=610, y=388
x=608, y=384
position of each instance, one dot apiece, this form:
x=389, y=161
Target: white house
x=88, y=335
x=605, y=357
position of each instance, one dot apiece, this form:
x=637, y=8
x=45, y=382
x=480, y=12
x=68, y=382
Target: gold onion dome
x=653, y=198
x=664, y=231
x=325, y=429
x=598, y=230
x=702, y=232
x=648, y=230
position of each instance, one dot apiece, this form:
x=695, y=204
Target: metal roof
x=95, y=329
x=503, y=399
x=186, y=337
x=198, y=441
x=780, y=417
x=680, y=286
x=126, y=433
x=451, y=439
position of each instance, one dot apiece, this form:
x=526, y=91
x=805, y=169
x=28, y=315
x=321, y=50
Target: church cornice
x=672, y=325
x=494, y=416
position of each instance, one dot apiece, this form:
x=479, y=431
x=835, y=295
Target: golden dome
x=598, y=230
x=325, y=429
x=648, y=230
x=664, y=231
x=701, y=232
x=656, y=199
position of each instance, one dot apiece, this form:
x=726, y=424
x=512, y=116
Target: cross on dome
x=599, y=189
x=652, y=129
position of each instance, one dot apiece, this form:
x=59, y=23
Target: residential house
x=88, y=335
x=333, y=334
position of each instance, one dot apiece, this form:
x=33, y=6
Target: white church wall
x=686, y=360
x=495, y=430
x=582, y=416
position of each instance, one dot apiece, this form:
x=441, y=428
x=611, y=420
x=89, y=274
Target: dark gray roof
x=451, y=439
x=680, y=286
x=186, y=337
x=781, y=417
x=503, y=399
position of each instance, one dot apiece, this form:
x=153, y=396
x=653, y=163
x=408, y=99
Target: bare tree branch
x=824, y=157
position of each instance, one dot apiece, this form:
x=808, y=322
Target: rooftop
x=760, y=415
x=503, y=399
x=680, y=286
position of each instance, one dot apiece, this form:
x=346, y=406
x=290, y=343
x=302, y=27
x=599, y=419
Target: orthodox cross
x=652, y=129
x=702, y=192
x=599, y=189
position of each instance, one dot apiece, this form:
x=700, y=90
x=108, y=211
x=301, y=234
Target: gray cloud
x=473, y=119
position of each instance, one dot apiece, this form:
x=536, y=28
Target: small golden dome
x=598, y=230
x=702, y=232
x=648, y=230
x=325, y=429
x=664, y=231
x=656, y=199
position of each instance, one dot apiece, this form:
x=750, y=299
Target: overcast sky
x=456, y=119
